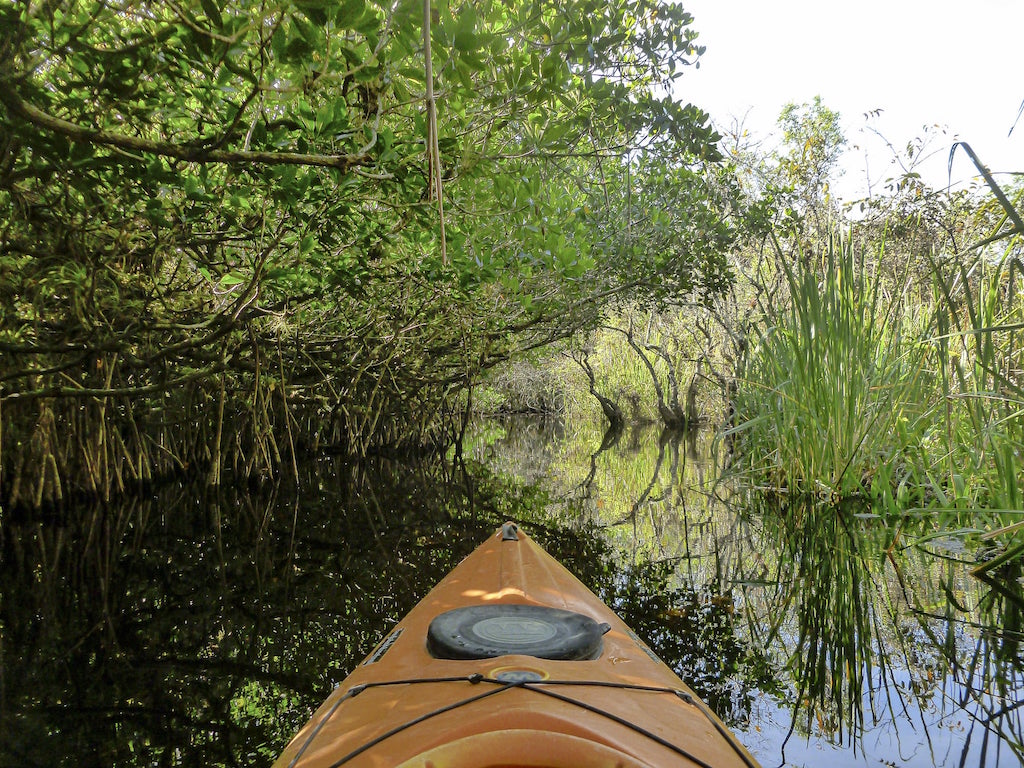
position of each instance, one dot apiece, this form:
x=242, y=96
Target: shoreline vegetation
x=863, y=374
x=235, y=232
x=239, y=236
x=888, y=393
x=251, y=252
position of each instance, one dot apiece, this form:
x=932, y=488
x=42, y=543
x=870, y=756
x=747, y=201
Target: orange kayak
x=511, y=661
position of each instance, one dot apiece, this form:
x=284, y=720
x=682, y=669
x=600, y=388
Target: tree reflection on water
x=188, y=630
x=185, y=629
x=865, y=641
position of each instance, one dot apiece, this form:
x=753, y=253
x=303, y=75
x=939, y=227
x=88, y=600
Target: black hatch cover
x=489, y=631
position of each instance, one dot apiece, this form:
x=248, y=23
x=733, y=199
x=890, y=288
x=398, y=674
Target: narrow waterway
x=185, y=629
x=853, y=640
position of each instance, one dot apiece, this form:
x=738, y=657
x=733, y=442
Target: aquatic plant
x=836, y=373
x=977, y=441
x=857, y=389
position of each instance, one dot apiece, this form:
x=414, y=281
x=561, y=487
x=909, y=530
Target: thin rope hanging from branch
x=433, y=152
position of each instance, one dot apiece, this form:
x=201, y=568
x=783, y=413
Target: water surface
x=187, y=629
x=854, y=640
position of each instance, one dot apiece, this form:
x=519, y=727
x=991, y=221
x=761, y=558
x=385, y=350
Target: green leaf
x=315, y=14
x=465, y=38
x=279, y=42
x=324, y=117
x=349, y=13
x=281, y=274
x=369, y=73
x=193, y=189
x=297, y=50
x=230, y=279
x=213, y=12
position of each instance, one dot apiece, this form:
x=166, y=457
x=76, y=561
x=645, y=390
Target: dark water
x=187, y=629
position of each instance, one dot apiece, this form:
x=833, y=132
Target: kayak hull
x=617, y=706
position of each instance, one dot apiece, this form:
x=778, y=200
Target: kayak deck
x=603, y=699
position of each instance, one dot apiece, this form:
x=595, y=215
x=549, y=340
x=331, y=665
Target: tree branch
x=31, y=114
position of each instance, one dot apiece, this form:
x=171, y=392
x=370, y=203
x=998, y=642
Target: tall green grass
x=858, y=388
x=836, y=373
x=979, y=441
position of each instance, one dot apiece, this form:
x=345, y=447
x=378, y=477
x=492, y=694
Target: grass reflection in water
x=191, y=630
x=864, y=641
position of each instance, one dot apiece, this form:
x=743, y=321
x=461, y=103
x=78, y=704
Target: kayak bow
x=511, y=661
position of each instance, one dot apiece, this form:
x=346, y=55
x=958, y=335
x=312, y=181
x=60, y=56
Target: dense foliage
x=225, y=212
x=865, y=355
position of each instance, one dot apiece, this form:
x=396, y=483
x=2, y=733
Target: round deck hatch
x=489, y=631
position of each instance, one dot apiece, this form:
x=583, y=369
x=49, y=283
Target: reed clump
x=856, y=388
x=832, y=375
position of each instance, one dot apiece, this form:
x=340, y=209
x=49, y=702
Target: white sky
x=958, y=65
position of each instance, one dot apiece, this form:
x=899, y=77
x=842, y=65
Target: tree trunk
x=611, y=410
